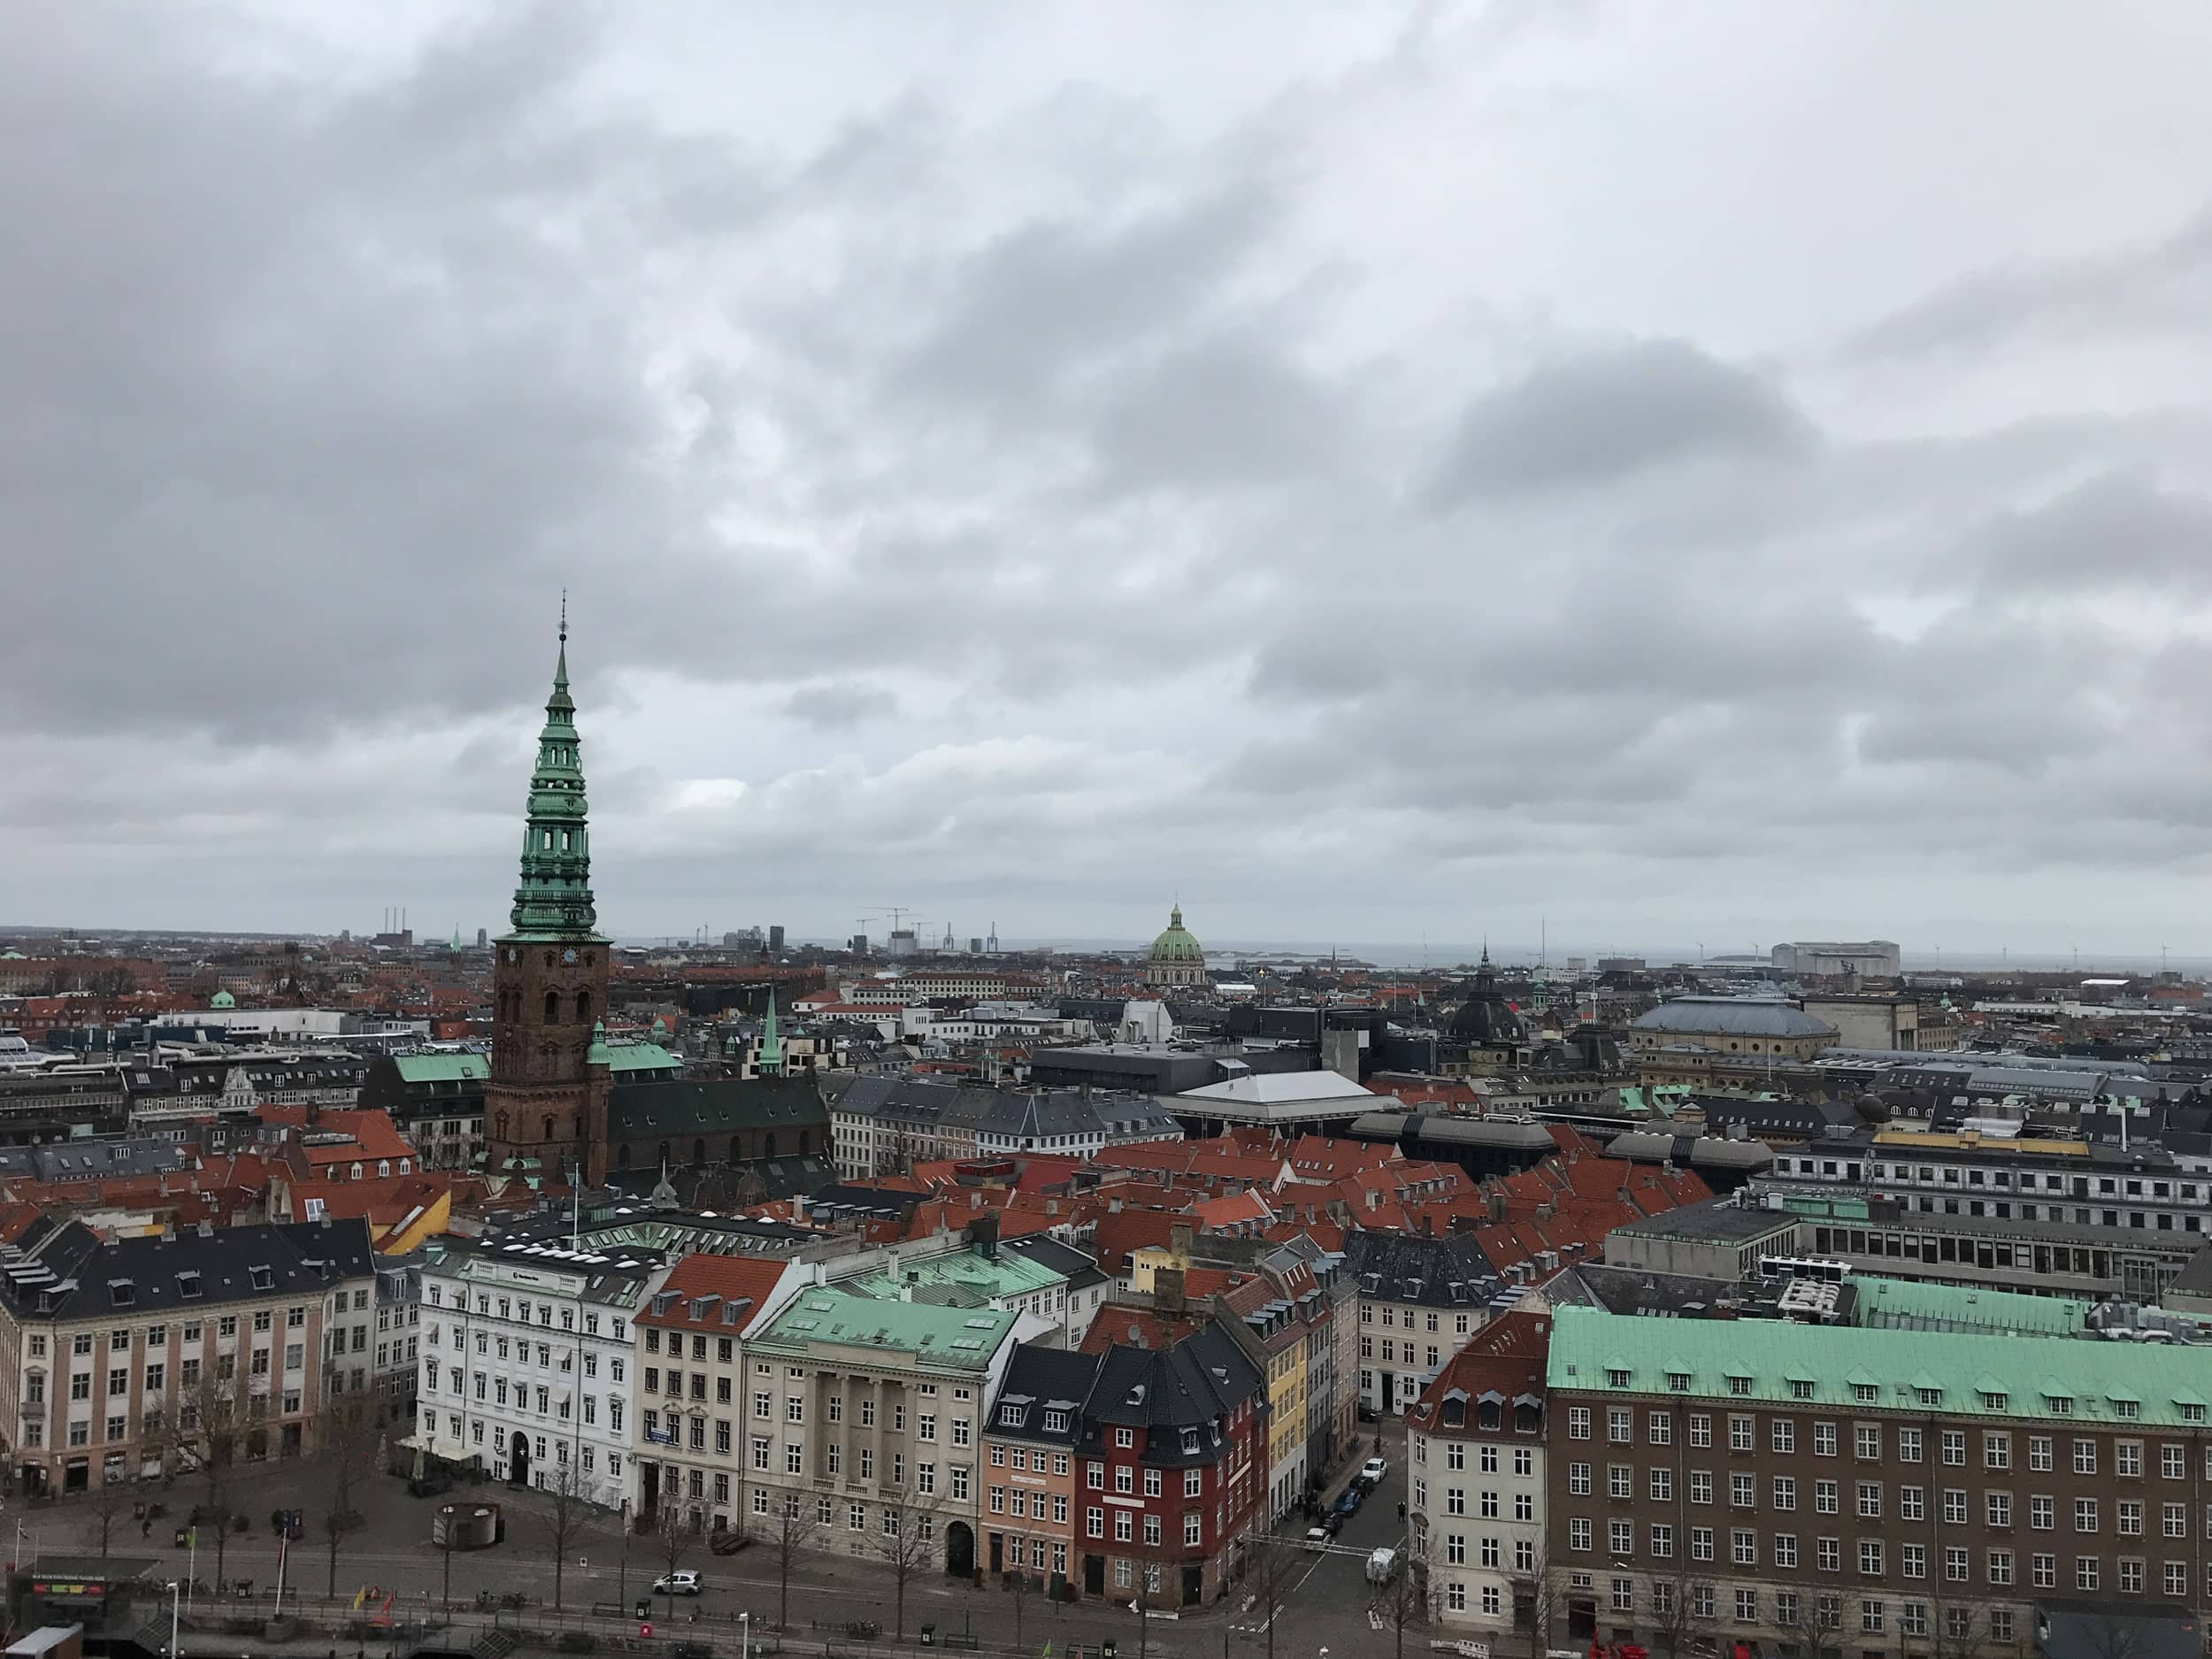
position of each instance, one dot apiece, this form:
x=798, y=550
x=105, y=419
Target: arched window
x=552, y=1008
x=583, y=1008
x=768, y=1145
x=699, y=1150
x=805, y=1135
x=622, y=1157
x=549, y=1128
x=499, y=1126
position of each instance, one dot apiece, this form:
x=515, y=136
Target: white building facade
x=527, y=1360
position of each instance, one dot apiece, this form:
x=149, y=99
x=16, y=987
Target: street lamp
x=176, y=1592
x=744, y=1636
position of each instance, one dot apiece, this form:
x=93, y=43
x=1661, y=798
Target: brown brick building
x=1866, y=1492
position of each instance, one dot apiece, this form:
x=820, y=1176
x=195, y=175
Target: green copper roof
x=441, y=1068
x=640, y=1057
x=2040, y=1378
x=598, y=1053
x=554, y=900
x=956, y=1339
x=1911, y=1305
x=965, y=1278
x=770, y=1045
x=1176, y=944
x=222, y=999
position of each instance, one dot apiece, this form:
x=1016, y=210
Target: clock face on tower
x=512, y=954
x=569, y=955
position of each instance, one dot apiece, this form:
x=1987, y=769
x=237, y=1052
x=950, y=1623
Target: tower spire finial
x=563, y=616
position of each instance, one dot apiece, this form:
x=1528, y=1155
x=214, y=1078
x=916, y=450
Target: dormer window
x=1678, y=1381
x=1928, y=1396
x=1800, y=1388
x=1616, y=1379
x=2192, y=1413
x=262, y=1278
x=1011, y=1415
x=2129, y=1409
x=1865, y=1393
x=1992, y=1401
x=1740, y=1387
x=1190, y=1440
x=1055, y=1422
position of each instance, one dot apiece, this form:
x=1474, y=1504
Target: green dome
x=222, y=999
x=1176, y=944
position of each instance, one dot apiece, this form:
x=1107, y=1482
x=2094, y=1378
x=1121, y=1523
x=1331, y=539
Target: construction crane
x=897, y=913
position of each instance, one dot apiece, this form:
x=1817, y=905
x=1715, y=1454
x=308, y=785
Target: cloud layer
x=1386, y=476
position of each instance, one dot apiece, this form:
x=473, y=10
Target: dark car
x=1349, y=1502
x=1332, y=1522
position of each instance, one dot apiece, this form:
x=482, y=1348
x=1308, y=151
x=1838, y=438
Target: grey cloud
x=1052, y=296
x=839, y=705
x=2165, y=284
x=2119, y=529
x=1225, y=410
x=1611, y=413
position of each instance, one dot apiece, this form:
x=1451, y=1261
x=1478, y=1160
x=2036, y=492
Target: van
x=1382, y=1566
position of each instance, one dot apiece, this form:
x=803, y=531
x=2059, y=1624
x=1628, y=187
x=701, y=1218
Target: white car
x=685, y=1583
x=1374, y=1471
x=1316, y=1538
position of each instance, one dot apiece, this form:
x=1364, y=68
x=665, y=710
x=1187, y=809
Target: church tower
x=546, y=1099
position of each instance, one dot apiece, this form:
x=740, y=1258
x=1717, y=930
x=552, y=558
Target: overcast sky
x=1720, y=471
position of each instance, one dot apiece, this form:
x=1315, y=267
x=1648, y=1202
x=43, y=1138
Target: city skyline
x=1674, y=475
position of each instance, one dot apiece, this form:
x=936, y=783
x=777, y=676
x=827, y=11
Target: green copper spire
x=599, y=1054
x=771, y=1061
x=554, y=901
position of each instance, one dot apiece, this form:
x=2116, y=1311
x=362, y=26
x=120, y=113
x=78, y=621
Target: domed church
x=1176, y=958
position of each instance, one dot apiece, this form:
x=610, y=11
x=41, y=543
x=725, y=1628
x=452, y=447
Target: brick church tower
x=545, y=1103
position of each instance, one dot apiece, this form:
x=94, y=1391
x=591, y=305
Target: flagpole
x=284, y=1547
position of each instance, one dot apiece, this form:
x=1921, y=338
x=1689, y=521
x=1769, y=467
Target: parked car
x=1374, y=1471
x=1382, y=1566
x=684, y=1583
x=1347, y=1501
x=1318, y=1537
x=1332, y=1522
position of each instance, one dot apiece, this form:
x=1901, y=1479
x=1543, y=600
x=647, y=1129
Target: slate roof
x=1041, y=1379
x=1201, y=1379
x=1419, y=1268
x=1732, y=1015
x=65, y=1270
x=87, y=1160
x=645, y=1111
x=1080, y=1271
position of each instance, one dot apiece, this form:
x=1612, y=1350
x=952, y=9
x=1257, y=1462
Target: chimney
x=1167, y=1289
x=983, y=1234
x=1178, y=1239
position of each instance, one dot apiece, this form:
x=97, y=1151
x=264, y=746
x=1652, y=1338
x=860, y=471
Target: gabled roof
x=1044, y=1385
x=720, y=1294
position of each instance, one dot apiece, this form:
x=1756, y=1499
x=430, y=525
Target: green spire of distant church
x=771, y=1061
x=554, y=900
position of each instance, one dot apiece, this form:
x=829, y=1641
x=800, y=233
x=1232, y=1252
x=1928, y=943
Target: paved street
x=1325, y=1606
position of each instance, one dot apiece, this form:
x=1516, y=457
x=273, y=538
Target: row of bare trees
x=201, y=1435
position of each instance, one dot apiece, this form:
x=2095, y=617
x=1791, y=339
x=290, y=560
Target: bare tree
x=347, y=1431
x=906, y=1543
x=1401, y=1600
x=210, y=1419
x=792, y=1528
x=1954, y=1629
x=108, y=1502
x=1676, y=1610
x=1018, y=1584
x=1813, y=1617
x=566, y=1512
x=674, y=1541
x=1541, y=1607
x=1272, y=1565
